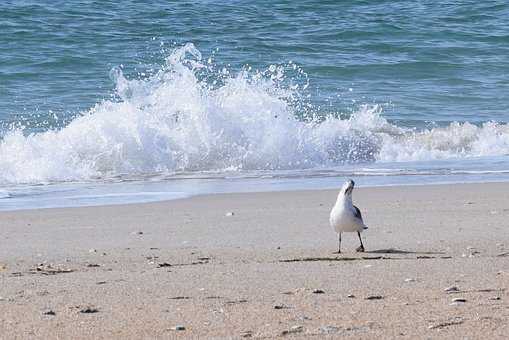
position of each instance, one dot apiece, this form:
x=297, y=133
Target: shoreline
x=74, y=195
x=261, y=265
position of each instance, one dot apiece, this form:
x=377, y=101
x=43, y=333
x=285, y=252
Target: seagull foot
x=337, y=252
x=360, y=249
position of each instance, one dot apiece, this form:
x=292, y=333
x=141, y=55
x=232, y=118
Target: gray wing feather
x=357, y=213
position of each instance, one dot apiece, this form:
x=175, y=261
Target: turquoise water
x=429, y=60
x=94, y=92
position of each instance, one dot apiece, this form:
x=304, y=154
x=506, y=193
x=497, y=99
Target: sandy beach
x=260, y=265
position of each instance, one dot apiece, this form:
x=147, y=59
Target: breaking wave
x=188, y=117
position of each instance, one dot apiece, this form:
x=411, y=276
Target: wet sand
x=261, y=265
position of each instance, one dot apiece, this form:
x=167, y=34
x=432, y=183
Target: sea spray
x=191, y=117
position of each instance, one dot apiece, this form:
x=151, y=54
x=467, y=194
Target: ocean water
x=109, y=103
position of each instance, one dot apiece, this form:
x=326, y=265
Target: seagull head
x=347, y=188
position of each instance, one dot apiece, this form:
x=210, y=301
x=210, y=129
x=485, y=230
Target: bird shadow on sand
x=401, y=251
x=382, y=254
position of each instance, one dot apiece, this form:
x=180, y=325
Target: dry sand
x=265, y=271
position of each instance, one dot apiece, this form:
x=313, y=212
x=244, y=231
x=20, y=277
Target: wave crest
x=177, y=121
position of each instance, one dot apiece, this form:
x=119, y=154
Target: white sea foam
x=174, y=121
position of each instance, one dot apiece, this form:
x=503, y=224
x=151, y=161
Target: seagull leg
x=339, y=244
x=361, y=247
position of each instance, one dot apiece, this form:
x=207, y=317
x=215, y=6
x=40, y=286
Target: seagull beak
x=349, y=188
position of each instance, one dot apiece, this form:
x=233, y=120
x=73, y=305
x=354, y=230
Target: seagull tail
x=365, y=227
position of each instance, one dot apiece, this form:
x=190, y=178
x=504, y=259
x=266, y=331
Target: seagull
x=346, y=217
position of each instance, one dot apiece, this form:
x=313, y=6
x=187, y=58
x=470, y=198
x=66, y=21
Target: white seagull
x=346, y=217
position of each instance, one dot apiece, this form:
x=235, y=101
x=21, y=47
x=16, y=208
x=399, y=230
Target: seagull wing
x=357, y=213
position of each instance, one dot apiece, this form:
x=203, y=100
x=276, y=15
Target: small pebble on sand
x=458, y=301
x=374, y=297
x=229, y=214
x=329, y=329
x=179, y=328
x=89, y=310
x=293, y=330
x=452, y=289
x=246, y=334
x=318, y=291
x=281, y=306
